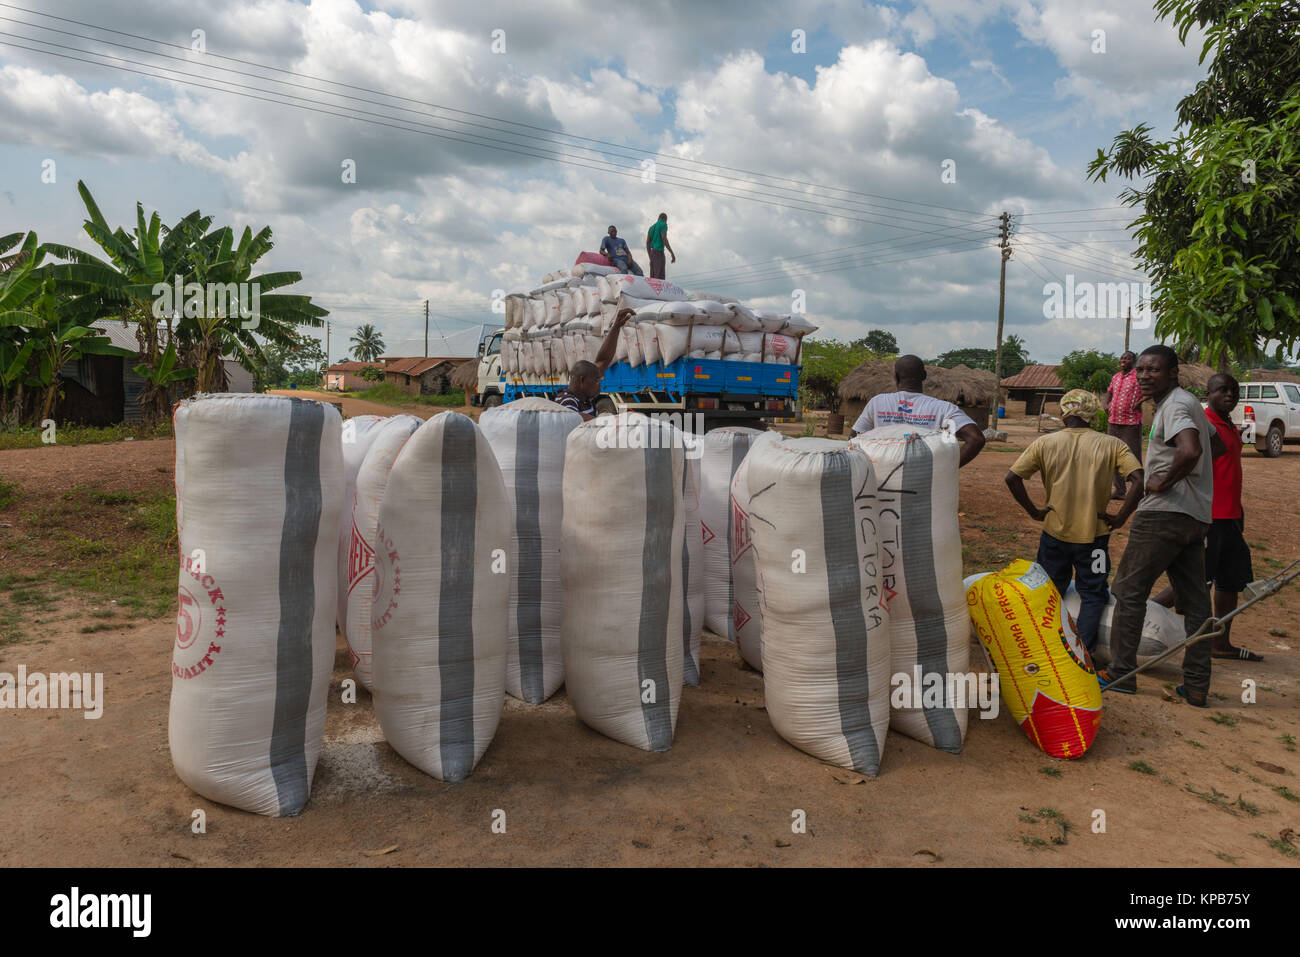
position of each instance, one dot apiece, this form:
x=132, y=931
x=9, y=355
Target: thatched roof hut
x=1194, y=376
x=960, y=385
x=970, y=389
x=466, y=376
x=1273, y=375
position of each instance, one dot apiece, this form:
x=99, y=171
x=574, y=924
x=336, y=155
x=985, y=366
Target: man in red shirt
x=1124, y=412
x=1227, y=556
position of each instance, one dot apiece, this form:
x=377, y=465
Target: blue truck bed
x=685, y=377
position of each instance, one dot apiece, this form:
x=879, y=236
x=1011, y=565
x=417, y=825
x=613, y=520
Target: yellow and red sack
x=1047, y=679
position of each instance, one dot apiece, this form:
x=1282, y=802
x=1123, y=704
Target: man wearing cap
x=1124, y=412
x=1077, y=464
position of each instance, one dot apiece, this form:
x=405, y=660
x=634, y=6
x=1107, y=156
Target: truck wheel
x=492, y=401
x=1272, y=446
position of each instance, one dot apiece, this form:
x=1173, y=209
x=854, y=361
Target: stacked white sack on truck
x=920, y=567
x=621, y=561
x=724, y=450
x=358, y=432
x=528, y=438
x=826, y=671
x=444, y=553
x=746, y=615
x=362, y=579
x=259, y=490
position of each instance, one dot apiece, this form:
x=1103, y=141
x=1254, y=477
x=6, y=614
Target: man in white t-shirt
x=911, y=406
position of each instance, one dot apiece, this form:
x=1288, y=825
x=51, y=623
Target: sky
x=849, y=157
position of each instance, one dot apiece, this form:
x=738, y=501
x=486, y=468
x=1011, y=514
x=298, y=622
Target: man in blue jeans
x=1168, y=535
x=1077, y=464
x=614, y=248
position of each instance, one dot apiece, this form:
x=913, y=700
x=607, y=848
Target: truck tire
x=1271, y=447
x=492, y=400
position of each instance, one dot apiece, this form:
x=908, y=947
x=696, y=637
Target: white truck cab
x=1274, y=410
x=488, y=391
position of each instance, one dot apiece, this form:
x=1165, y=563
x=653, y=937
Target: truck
x=1269, y=413
x=718, y=391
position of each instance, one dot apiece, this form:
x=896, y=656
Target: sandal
x=1195, y=700
x=1237, y=654
x=1107, y=683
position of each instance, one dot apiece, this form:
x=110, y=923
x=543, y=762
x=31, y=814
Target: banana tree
x=165, y=374
x=221, y=263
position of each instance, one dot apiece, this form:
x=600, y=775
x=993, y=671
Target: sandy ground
x=1178, y=787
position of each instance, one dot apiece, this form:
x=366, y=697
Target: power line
x=443, y=107
x=1082, y=255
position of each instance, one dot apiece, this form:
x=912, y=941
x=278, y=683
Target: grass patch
x=101, y=626
x=1195, y=744
x=1032, y=841
x=1288, y=740
x=31, y=438
x=1278, y=845
x=1141, y=767
x=1220, y=717
x=1213, y=796
x=1282, y=791
x=1246, y=806
x=1228, y=858
x=1050, y=771
x=10, y=492
x=1062, y=825
x=386, y=393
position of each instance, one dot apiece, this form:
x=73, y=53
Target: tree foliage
x=879, y=341
x=1218, y=204
x=825, y=364
x=367, y=343
x=1015, y=356
x=1088, y=369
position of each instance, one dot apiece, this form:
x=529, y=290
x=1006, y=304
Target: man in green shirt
x=656, y=241
x=1077, y=464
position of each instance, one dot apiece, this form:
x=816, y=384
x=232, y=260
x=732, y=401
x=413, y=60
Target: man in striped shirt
x=584, y=376
x=1124, y=412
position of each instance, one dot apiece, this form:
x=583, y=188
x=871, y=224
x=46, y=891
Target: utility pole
x=426, y=328
x=1128, y=327
x=327, y=343
x=1004, y=231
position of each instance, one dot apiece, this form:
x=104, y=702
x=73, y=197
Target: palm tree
x=367, y=343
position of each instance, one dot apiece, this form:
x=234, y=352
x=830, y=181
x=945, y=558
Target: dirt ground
x=1178, y=787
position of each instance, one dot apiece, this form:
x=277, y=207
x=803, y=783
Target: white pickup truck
x=1274, y=410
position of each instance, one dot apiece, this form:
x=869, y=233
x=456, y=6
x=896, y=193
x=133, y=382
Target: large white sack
x=692, y=561
x=677, y=341
x=920, y=568
x=826, y=662
x=797, y=326
x=634, y=354
x=259, y=488
x=357, y=434
x=778, y=348
x=528, y=437
x=1162, y=628
x=440, y=615
x=362, y=581
x=746, y=617
x=770, y=321
x=621, y=555
x=649, y=341
x=642, y=287
x=724, y=450
x=594, y=269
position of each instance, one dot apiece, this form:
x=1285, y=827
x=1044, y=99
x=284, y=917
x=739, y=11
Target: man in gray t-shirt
x=1168, y=530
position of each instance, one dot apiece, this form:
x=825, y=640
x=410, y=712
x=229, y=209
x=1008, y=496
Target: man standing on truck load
x=656, y=241
x=1077, y=464
x=1124, y=412
x=584, y=376
x=911, y=406
x=615, y=250
x=1168, y=532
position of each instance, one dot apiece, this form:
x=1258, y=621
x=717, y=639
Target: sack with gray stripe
x=443, y=560
x=746, y=614
x=724, y=450
x=359, y=588
x=920, y=567
x=621, y=566
x=357, y=434
x=692, y=561
x=809, y=507
x=259, y=490
x=528, y=437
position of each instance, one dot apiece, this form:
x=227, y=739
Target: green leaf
x=1264, y=309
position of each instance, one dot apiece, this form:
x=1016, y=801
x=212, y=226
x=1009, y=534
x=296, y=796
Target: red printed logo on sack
x=361, y=559
x=190, y=660
x=779, y=345
x=388, y=581
x=739, y=617
x=741, y=538
x=706, y=532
